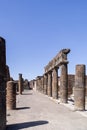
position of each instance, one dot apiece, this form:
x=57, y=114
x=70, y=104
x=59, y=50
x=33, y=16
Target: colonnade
x=48, y=84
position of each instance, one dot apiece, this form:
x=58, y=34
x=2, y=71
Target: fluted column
x=79, y=89
x=50, y=83
x=55, y=83
x=64, y=84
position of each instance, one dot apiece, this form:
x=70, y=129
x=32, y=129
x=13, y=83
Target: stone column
x=11, y=95
x=45, y=83
x=42, y=83
x=86, y=87
x=36, y=84
x=55, y=84
x=40, y=86
x=50, y=84
x=64, y=84
x=79, y=89
x=20, y=84
x=2, y=84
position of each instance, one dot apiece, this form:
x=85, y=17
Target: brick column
x=64, y=84
x=45, y=83
x=79, y=89
x=55, y=84
x=2, y=84
x=20, y=84
x=11, y=95
x=50, y=83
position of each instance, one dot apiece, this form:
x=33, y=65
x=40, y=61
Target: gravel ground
x=36, y=111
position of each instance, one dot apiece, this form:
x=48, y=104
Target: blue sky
x=36, y=30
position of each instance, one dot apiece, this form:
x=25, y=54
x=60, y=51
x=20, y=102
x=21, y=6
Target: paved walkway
x=36, y=111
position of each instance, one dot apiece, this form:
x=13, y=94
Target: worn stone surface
x=64, y=84
x=42, y=84
x=55, y=84
x=50, y=84
x=45, y=83
x=60, y=58
x=2, y=84
x=79, y=89
x=11, y=95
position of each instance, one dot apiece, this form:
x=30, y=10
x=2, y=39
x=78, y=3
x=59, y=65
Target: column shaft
x=20, y=84
x=79, y=89
x=55, y=84
x=45, y=83
x=42, y=83
x=50, y=84
x=11, y=95
x=64, y=84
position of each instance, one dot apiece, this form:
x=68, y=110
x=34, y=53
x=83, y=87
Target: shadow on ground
x=27, y=94
x=25, y=125
x=22, y=108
